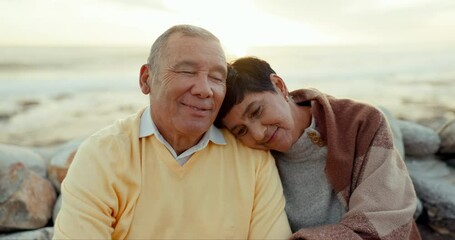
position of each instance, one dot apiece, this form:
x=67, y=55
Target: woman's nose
x=257, y=131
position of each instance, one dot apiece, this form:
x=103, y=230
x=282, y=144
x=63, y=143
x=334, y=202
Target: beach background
x=50, y=95
x=70, y=68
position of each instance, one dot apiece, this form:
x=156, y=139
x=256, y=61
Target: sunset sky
x=239, y=24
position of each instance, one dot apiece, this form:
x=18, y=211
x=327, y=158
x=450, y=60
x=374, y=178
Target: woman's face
x=263, y=121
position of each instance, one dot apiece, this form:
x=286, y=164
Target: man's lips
x=197, y=108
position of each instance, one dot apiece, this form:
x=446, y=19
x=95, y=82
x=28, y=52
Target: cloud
x=238, y=23
x=82, y=22
x=152, y=4
x=393, y=21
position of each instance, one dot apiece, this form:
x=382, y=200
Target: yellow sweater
x=122, y=187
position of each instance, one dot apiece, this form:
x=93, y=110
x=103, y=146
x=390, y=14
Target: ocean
x=380, y=74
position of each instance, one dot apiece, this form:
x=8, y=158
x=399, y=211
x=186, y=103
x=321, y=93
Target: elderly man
x=167, y=172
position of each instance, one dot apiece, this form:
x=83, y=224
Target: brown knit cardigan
x=364, y=169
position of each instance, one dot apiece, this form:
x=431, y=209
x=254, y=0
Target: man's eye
x=188, y=72
x=217, y=78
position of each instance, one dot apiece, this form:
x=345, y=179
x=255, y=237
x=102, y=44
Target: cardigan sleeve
x=268, y=218
x=382, y=202
x=89, y=201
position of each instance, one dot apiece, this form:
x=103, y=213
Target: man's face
x=190, y=86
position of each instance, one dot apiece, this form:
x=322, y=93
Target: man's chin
x=195, y=127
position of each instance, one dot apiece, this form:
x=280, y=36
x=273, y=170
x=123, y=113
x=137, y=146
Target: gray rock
x=10, y=154
x=60, y=162
x=57, y=206
x=426, y=167
x=26, y=199
x=449, y=159
x=418, y=140
x=434, y=183
x=39, y=234
x=447, y=135
x=451, y=162
x=49, y=151
x=419, y=209
x=435, y=123
x=46, y=152
x=396, y=132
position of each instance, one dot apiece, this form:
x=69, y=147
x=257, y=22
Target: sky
x=240, y=24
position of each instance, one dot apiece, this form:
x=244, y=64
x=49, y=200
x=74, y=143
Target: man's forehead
x=205, y=64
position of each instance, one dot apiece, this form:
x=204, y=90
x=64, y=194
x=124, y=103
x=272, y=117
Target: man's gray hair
x=160, y=45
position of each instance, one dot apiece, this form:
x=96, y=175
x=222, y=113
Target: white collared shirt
x=148, y=128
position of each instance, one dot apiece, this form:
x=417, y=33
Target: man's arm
x=269, y=220
x=88, y=200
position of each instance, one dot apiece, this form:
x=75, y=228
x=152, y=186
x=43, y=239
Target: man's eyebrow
x=247, y=109
x=184, y=63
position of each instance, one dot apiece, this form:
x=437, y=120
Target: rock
x=427, y=166
x=10, y=154
x=59, y=164
x=435, y=123
x=57, y=206
x=447, y=135
x=418, y=140
x=449, y=159
x=46, y=152
x=396, y=132
x=419, y=209
x=428, y=233
x=58, y=167
x=39, y=234
x=26, y=199
x=434, y=183
x=451, y=162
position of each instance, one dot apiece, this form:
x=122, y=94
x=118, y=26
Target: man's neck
x=180, y=143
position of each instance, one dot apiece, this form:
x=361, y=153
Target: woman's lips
x=272, y=137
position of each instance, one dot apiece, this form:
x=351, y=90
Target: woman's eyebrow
x=245, y=112
x=248, y=109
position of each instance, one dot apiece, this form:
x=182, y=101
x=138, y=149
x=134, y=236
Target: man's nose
x=202, y=87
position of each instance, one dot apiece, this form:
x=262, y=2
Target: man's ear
x=280, y=86
x=144, y=78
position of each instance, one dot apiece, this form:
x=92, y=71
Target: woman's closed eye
x=256, y=113
x=240, y=131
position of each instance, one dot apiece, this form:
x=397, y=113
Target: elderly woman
x=342, y=176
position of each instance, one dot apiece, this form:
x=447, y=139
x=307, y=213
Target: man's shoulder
x=235, y=145
x=121, y=132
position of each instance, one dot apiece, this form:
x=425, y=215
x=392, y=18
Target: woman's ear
x=144, y=79
x=279, y=84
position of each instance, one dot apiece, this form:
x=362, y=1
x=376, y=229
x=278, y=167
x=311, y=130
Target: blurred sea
x=30, y=71
x=384, y=75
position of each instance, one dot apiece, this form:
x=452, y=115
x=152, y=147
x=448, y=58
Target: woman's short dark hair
x=245, y=75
